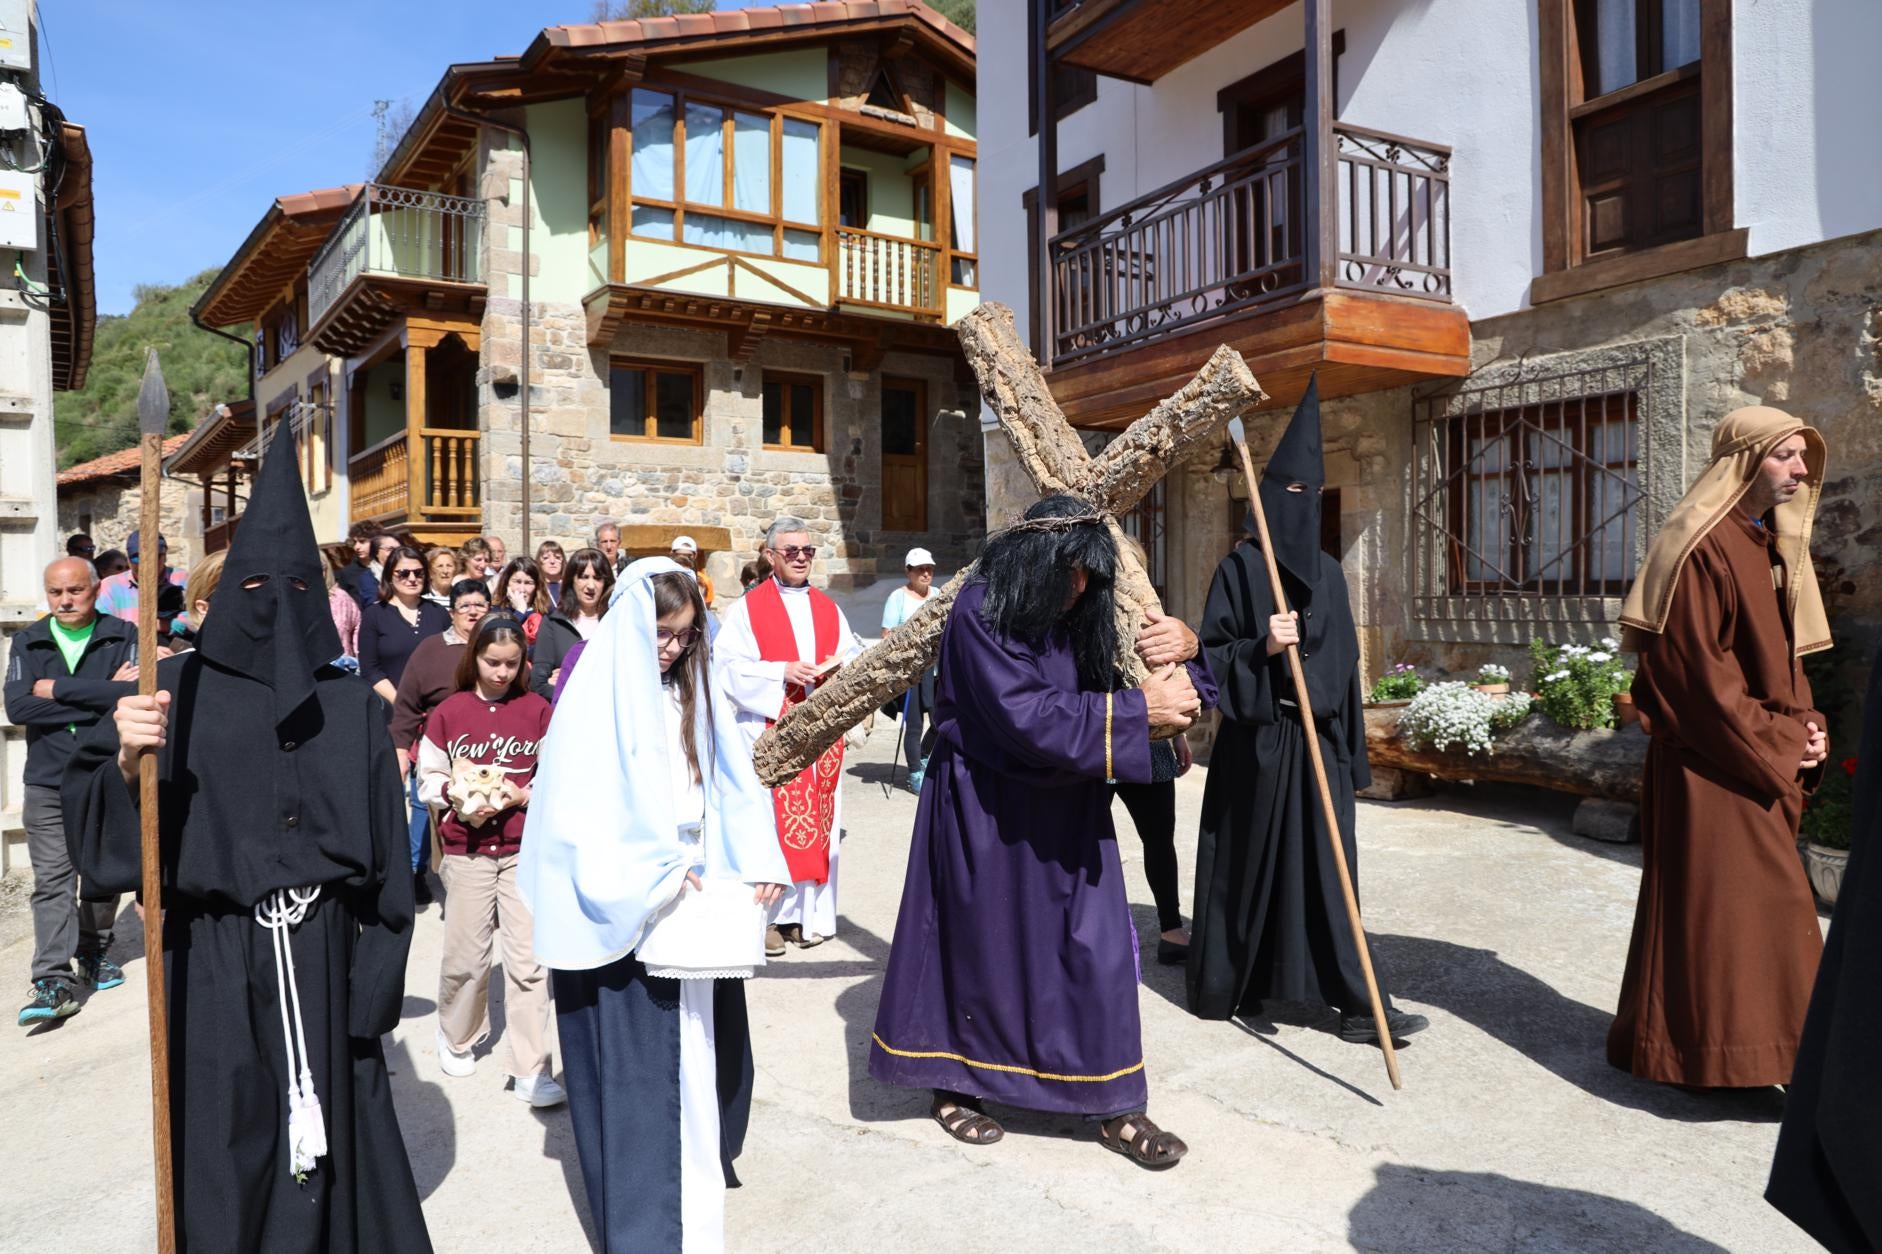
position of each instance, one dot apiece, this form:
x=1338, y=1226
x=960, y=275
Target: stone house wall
x=1798, y=330
x=580, y=476
x=112, y=504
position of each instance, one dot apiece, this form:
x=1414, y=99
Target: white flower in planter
x=1453, y=716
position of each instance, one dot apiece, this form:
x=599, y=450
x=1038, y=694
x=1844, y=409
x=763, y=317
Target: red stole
x=806, y=807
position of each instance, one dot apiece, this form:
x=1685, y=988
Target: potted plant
x=1576, y=685
x=1493, y=679
x=1455, y=716
x=1396, y=686
x=1825, y=830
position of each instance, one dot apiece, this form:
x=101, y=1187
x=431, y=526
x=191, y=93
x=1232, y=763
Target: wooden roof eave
x=75, y=319
x=212, y=445
x=954, y=60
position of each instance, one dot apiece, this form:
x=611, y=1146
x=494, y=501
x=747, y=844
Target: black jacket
x=555, y=636
x=78, y=699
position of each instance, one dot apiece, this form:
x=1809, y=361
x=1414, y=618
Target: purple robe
x=1013, y=975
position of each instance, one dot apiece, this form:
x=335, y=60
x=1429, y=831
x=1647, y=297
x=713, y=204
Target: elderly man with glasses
x=778, y=642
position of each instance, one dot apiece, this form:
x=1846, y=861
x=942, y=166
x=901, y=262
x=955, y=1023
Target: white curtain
x=1616, y=64
x=751, y=162
x=803, y=170
x=717, y=232
x=961, y=216
x=705, y=155
x=1679, y=20
x=802, y=245
x=653, y=145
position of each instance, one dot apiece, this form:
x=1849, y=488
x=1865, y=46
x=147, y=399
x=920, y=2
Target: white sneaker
x=539, y=1090
x=453, y=1063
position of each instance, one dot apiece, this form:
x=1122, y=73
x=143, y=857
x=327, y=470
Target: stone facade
x=108, y=509
x=1798, y=330
x=581, y=476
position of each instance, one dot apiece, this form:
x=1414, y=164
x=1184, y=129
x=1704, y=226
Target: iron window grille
x=1528, y=496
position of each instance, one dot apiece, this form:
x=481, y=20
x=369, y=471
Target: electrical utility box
x=16, y=35
x=19, y=212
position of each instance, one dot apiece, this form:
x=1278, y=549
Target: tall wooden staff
x=153, y=416
x=1237, y=434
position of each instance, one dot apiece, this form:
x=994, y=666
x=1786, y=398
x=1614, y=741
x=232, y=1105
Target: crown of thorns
x=1065, y=523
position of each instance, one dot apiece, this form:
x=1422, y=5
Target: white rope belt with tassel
x=280, y=912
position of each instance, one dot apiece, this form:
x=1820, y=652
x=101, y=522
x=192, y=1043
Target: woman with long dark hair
x=521, y=591
x=586, y=587
x=649, y=861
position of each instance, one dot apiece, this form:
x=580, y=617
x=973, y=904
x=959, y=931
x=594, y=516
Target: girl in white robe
x=649, y=862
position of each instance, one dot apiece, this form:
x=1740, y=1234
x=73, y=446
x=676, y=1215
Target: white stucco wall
x=1462, y=73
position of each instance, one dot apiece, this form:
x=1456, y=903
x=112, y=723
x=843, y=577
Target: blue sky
x=200, y=114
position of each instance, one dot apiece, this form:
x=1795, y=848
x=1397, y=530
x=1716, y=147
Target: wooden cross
x=1056, y=460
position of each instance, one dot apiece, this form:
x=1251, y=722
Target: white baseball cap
x=918, y=557
x=684, y=544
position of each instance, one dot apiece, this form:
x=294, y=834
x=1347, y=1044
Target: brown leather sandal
x=962, y=1119
x=1150, y=1146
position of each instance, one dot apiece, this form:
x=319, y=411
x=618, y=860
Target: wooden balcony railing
x=1233, y=237
x=217, y=536
x=453, y=484
x=888, y=272
x=378, y=480
x=398, y=231
x=444, y=484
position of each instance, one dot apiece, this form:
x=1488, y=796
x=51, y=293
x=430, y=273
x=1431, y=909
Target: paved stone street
x=1512, y=1133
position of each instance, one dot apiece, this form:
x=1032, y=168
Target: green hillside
x=200, y=369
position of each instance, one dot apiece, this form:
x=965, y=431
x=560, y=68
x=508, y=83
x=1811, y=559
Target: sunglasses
x=797, y=552
x=408, y=572
x=685, y=638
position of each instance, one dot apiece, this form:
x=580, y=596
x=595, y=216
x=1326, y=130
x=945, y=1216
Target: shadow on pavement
x=558, y=1143
x=1555, y=1032
x=425, y=1118
x=1417, y=1208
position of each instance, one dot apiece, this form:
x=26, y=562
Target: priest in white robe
x=771, y=652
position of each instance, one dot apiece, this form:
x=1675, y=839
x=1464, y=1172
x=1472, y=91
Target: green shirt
x=71, y=642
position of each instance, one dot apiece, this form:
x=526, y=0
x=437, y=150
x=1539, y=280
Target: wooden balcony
x=1140, y=296
x=433, y=485
x=397, y=251
x=1142, y=40
x=875, y=271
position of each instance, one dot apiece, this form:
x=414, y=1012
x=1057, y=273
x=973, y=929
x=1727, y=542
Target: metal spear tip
x=153, y=398
x=1237, y=432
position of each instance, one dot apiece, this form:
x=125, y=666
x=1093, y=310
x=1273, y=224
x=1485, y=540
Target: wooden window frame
x=319, y=386
x=942, y=180
x=728, y=104
x=649, y=368
x=785, y=379
x=1083, y=83
x=1084, y=175
x=600, y=142
x=845, y=175
x=1565, y=272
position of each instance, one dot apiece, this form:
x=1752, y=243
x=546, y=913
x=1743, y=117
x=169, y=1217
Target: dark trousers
x=63, y=926
x=917, y=704
x=1153, y=809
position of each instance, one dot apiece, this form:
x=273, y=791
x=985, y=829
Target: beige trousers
x=481, y=904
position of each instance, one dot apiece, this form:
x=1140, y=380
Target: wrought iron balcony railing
x=1234, y=237
x=398, y=231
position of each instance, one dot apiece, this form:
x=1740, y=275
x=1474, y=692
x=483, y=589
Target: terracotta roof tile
x=122, y=462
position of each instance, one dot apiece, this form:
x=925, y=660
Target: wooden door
x=1269, y=214
x=904, y=455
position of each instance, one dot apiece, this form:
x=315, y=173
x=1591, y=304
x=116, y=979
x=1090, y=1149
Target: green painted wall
x=385, y=417
x=963, y=122
x=891, y=191
x=802, y=74
x=558, y=141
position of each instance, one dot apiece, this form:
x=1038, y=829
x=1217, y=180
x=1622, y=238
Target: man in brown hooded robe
x=1726, y=942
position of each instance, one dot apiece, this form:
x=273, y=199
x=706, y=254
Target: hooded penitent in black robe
x=1270, y=918
x=1828, y=1172
x=277, y=773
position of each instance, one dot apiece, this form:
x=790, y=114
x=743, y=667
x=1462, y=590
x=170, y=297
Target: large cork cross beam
x=1056, y=461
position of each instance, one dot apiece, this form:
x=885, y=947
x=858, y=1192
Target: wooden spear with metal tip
x=1239, y=435
x=153, y=416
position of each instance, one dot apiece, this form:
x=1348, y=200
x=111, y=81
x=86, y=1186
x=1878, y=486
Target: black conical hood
x=280, y=630
x=1294, y=517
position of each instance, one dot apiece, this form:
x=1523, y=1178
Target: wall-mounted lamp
x=1228, y=471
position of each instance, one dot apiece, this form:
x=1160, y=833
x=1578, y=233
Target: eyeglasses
x=686, y=638
x=408, y=572
x=86, y=549
x=797, y=552
x=471, y=607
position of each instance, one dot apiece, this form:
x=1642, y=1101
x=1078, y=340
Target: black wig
x=1028, y=575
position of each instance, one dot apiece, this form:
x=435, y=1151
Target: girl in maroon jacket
x=493, y=721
